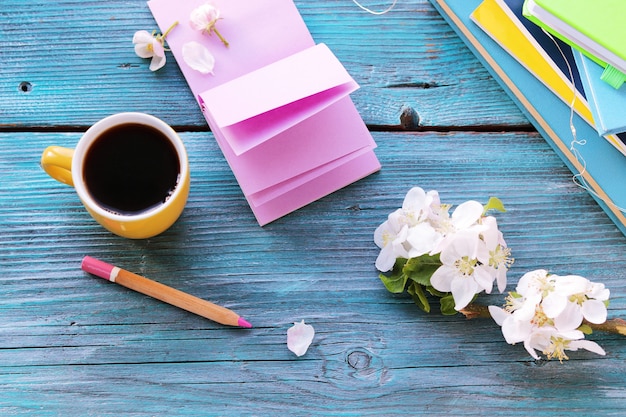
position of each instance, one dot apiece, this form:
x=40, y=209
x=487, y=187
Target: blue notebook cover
x=608, y=105
x=600, y=165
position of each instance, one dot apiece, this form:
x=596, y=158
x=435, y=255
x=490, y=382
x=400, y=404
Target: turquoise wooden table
x=72, y=344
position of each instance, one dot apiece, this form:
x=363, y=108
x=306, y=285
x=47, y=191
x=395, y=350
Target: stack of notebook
x=597, y=31
x=565, y=92
x=597, y=36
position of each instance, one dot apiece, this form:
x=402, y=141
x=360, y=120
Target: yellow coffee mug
x=130, y=171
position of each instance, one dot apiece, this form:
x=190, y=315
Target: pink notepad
x=278, y=104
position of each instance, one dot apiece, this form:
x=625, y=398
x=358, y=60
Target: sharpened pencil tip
x=243, y=323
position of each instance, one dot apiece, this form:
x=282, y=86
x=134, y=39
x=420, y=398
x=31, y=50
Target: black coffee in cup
x=131, y=168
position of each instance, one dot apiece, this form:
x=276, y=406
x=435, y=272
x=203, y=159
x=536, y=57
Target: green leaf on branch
x=586, y=329
x=447, y=305
x=494, y=203
x=419, y=297
x=420, y=269
x=435, y=292
x=395, y=282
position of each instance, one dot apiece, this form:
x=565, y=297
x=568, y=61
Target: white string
x=578, y=178
x=388, y=9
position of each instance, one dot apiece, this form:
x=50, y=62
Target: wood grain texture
x=72, y=344
x=68, y=338
x=79, y=55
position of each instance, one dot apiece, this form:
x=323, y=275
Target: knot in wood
x=409, y=119
x=25, y=87
x=359, y=360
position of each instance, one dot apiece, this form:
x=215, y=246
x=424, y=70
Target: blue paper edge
x=608, y=105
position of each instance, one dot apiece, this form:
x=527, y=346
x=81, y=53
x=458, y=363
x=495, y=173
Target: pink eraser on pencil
x=98, y=268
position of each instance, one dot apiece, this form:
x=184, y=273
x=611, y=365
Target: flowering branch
x=454, y=257
x=614, y=325
x=547, y=312
x=425, y=249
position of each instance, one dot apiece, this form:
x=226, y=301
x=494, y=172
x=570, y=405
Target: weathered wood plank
x=71, y=344
x=72, y=63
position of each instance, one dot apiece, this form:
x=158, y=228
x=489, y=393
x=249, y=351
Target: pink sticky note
x=259, y=33
x=354, y=168
x=325, y=137
x=278, y=105
x=277, y=96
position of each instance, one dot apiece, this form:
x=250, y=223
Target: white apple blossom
x=422, y=238
x=470, y=248
x=204, y=18
x=392, y=245
x=546, y=312
x=497, y=256
x=151, y=45
x=465, y=216
x=148, y=46
x=418, y=205
x=577, y=298
x=460, y=272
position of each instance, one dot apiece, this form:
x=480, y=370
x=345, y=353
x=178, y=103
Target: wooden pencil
x=163, y=293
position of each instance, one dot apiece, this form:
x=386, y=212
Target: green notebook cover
x=596, y=28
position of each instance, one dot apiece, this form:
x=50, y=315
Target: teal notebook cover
x=596, y=28
x=604, y=167
x=608, y=105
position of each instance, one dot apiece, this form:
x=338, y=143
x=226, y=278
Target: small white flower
x=422, y=238
x=204, y=18
x=466, y=214
x=299, y=337
x=389, y=229
x=470, y=248
x=576, y=293
x=148, y=46
x=418, y=204
x=391, y=237
x=151, y=45
x=560, y=342
x=393, y=249
x=198, y=57
x=464, y=217
x=534, y=283
x=569, y=299
x=496, y=257
x=460, y=272
x=538, y=339
x=547, y=310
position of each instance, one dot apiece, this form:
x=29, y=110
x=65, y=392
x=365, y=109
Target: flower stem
x=219, y=35
x=167, y=32
x=617, y=325
x=475, y=311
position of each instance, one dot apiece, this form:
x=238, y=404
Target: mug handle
x=57, y=162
